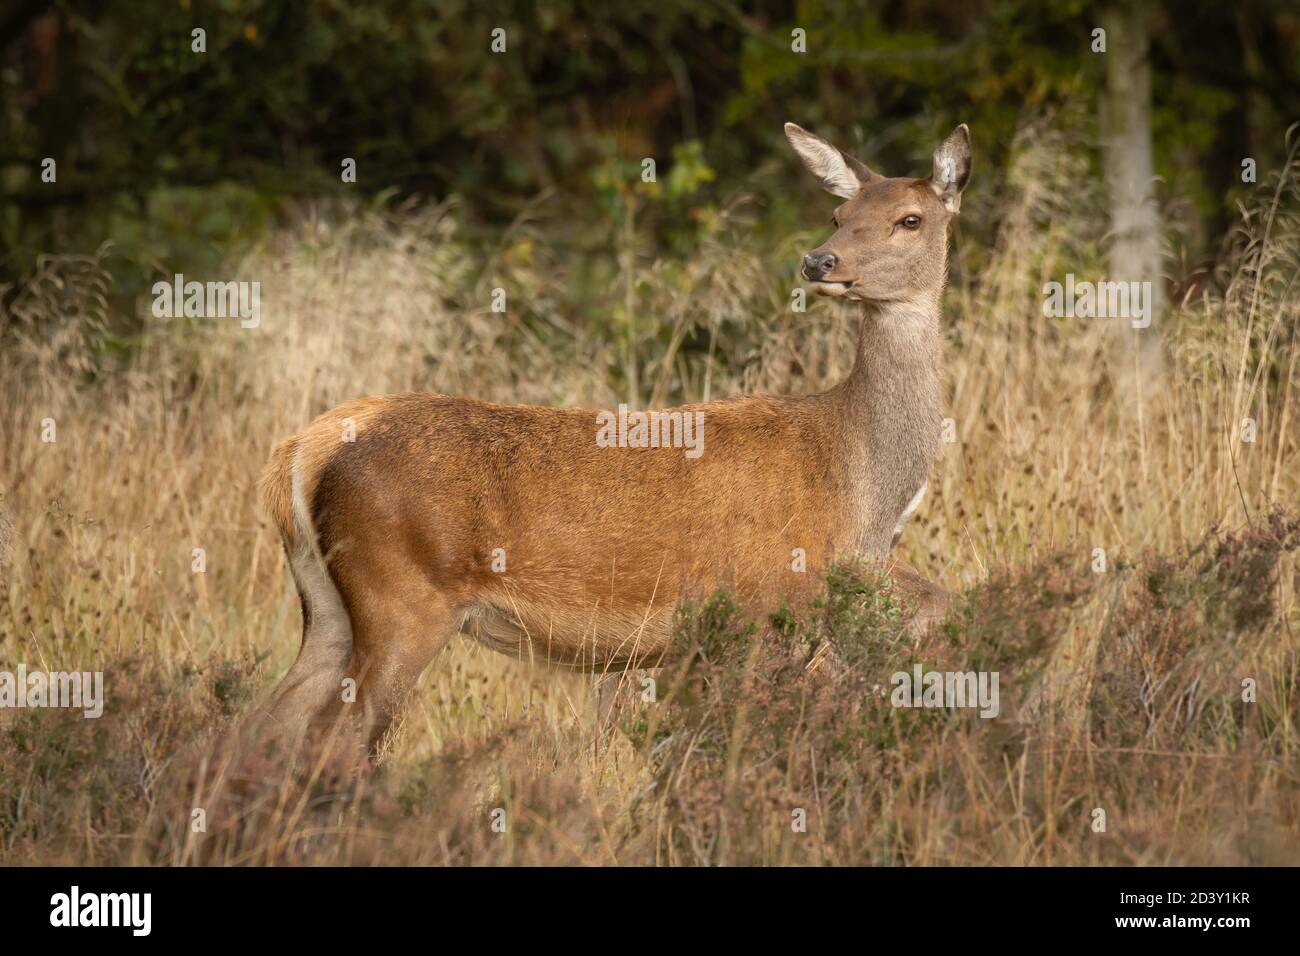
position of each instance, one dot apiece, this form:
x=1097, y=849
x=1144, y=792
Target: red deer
x=521, y=527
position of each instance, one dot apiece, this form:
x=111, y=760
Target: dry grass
x=1123, y=689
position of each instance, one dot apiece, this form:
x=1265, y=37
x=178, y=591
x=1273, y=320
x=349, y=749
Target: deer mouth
x=833, y=289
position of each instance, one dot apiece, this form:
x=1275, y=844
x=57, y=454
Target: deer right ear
x=952, y=168
x=841, y=175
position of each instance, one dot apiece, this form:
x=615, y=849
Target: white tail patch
x=911, y=507
x=330, y=623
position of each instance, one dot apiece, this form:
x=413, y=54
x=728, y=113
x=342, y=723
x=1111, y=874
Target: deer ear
x=840, y=173
x=952, y=168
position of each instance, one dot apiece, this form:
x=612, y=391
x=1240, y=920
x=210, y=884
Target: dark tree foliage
x=173, y=153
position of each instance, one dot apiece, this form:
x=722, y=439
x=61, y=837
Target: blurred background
x=177, y=157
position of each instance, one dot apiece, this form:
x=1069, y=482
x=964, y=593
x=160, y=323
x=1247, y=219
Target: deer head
x=891, y=237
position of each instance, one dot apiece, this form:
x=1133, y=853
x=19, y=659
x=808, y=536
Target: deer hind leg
x=397, y=631
x=367, y=637
x=307, y=696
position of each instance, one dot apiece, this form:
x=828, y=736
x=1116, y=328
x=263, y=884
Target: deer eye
x=911, y=222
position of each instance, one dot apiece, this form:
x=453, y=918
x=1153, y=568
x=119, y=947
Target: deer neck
x=890, y=408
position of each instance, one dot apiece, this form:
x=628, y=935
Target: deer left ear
x=952, y=168
x=840, y=174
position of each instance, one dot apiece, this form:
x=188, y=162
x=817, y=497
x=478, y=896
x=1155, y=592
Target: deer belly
x=565, y=636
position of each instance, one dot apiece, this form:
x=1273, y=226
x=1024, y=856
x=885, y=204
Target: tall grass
x=1123, y=688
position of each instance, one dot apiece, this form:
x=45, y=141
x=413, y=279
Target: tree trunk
x=1136, y=246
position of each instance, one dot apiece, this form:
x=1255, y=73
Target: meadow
x=1122, y=687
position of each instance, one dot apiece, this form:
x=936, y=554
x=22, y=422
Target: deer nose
x=817, y=268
